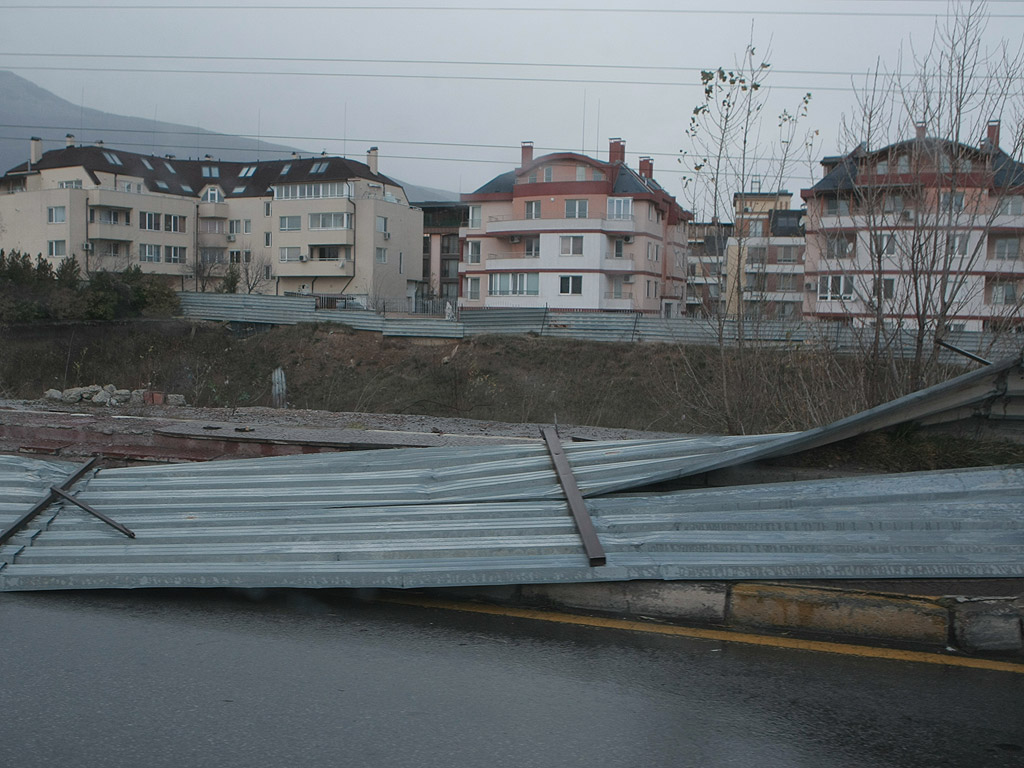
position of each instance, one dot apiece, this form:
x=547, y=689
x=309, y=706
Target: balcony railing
x=514, y=255
x=618, y=295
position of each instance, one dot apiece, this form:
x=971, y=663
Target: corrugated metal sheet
x=24, y=481
x=252, y=308
x=950, y=524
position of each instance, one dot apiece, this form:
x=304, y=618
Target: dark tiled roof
x=502, y=183
x=186, y=177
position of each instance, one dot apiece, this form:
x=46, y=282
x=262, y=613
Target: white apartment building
x=324, y=224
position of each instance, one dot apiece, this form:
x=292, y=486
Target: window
x=240, y=257
x=238, y=190
x=163, y=185
x=887, y=287
x=235, y=227
x=110, y=250
x=787, y=254
x=839, y=247
x=472, y=251
x=1002, y=292
x=266, y=239
x=548, y=173
x=247, y=226
x=956, y=244
x=169, y=167
x=72, y=184
x=475, y=216
x=56, y=214
x=174, y=223
x=246, y=172
x=211, y=226
x=532, y=178
x=211, y=255
x=107, y=216
x=213, y=195
x=285, y=168
x=329, y=253
x=598, y=175
x=149, y=221
x=785, y=282
x=401, y=263
x=472, y=288
x=570, y=285
x=882, y=167
x=653, y=251
x=211, y=172
x=340, y=220
x=755, y=228
x=757, y=255
x=112, y=158
x=290, y=253
x=885, y=244
x=187, y=188
x=318, y=167
x=266, y=207
x=174, y=254
x=893, y=204
x=149, y=252
x=571, y=245
x=620, y=208
x=291, y=223
x=531, y=247
x=56, y=248
x=312, y=191
x=617, y=248
x=835, y=287
x=944, y=164
x=581, y=173
x=952, y=202
x=533, y=209
x=1005, y=247
x=382, y=255
x=513, y=284
x=576, y=209
x=267, y=272
x=1013, y=205
x=382, y=223
x=837, y=207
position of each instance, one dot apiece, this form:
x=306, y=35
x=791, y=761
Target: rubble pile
x=111, y=395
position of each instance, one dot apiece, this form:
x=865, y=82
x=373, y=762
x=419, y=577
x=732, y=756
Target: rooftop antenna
x=583, y=137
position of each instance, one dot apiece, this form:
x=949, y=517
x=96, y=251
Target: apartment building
x=324, y=224
x=442, y=249
x=571, y=232
x=923, y=231
x=765, y=257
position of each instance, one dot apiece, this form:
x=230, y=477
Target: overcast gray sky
x=448, y=90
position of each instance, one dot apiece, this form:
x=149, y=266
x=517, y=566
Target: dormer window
x=213, y=195
x=211, y=172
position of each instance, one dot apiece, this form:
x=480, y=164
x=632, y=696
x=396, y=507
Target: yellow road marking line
x=772, y=641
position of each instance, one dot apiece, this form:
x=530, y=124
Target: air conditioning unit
x=303, y=257
x=86, y=246
x=627, y=279
x=515, y=239
x=810, y=287
x=231, y=238
x=386, y=235
x=629, y=239
x=908, y=215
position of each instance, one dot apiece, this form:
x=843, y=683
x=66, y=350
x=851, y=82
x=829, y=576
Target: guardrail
x=587, y=326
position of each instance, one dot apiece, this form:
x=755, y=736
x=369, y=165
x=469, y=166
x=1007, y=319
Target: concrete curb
x=969, y=625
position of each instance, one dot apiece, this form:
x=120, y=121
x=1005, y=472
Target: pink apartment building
x=571, y=232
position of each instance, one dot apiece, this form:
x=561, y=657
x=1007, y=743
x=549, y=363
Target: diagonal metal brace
x=584, y=525
x=9, y=532
x=94, y=512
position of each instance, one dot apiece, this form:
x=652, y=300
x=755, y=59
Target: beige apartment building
x=323, y=224
x=765, y=258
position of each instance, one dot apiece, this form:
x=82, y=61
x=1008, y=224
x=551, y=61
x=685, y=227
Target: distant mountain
x=34, y=111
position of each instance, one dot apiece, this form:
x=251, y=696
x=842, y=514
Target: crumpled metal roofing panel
x=24, y=481
x=967, y=523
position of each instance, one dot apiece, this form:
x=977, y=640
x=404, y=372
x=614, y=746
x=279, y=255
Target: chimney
x=99, y=142
x=371, y=159
x=919, y=131
x=35, y=149
x=295, y=155
x=616, y=151
x=647, y=167
x=993, y=134
x=527, y=154
x=69, y=140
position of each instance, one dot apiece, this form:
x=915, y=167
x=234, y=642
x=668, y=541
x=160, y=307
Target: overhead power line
x=497, y=9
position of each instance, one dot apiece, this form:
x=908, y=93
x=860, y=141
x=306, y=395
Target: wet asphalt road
x=218, y=679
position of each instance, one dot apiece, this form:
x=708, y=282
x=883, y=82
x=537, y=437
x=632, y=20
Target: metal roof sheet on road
x=967, y=523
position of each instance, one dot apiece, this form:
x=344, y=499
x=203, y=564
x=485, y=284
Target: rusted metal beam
x=94, y=512
x=963, y=352
x=584, y=525
x=43, y=503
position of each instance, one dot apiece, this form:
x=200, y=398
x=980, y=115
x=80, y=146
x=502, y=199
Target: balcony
x=624, y=295
x=612, y=264
x=213, y=210
x=507, y=225
x=514, y=255
x=103, y=231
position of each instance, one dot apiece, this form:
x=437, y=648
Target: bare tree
x=255, y=272
x=902, y=229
